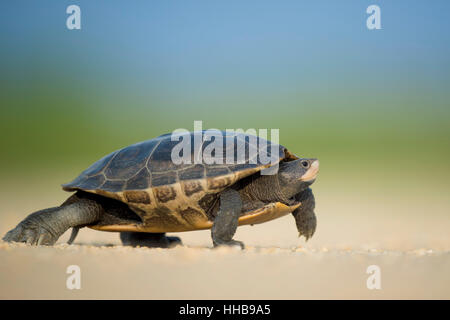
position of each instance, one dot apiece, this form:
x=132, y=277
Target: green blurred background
x=373, y=106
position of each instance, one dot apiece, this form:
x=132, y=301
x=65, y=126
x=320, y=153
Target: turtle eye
x=304, y=163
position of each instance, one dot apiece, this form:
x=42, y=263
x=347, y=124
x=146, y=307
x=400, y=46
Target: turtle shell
x=176, y=197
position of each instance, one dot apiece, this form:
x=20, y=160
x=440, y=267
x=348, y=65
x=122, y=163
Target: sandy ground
x=408, y=239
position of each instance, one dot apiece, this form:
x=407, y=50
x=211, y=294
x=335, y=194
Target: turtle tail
x=73, y=235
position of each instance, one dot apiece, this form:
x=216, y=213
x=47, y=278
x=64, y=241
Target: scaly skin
x=226, y=221
x=44, y=227
x=305, y=218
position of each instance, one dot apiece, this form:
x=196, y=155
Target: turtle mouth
x=312, y=172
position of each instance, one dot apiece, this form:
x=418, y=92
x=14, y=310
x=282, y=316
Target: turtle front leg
x=305, y=218
x=226, y=221
x=44, y=227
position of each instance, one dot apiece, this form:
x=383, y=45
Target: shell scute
x=140, y=181
x=113, y=185
x=128, y=161
x=194, y=172
x=137, y=197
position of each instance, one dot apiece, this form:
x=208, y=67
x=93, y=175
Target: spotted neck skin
x=265, y=188
x=272, y=188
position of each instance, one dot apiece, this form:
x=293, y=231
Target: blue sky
x=191, y=52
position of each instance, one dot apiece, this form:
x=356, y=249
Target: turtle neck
x=265, y=188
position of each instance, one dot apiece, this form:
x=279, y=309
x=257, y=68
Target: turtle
x=142, y=193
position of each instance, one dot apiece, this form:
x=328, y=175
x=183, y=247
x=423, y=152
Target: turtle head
x=296, y=176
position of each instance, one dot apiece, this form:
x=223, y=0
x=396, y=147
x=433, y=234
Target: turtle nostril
x=305, y=163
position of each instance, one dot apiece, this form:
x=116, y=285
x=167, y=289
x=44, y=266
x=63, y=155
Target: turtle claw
x=13, y=235
x=231, y=243
x=307, y=234
x=30, y=233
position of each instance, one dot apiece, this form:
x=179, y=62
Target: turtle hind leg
x=150, y=240
x=44, y=227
